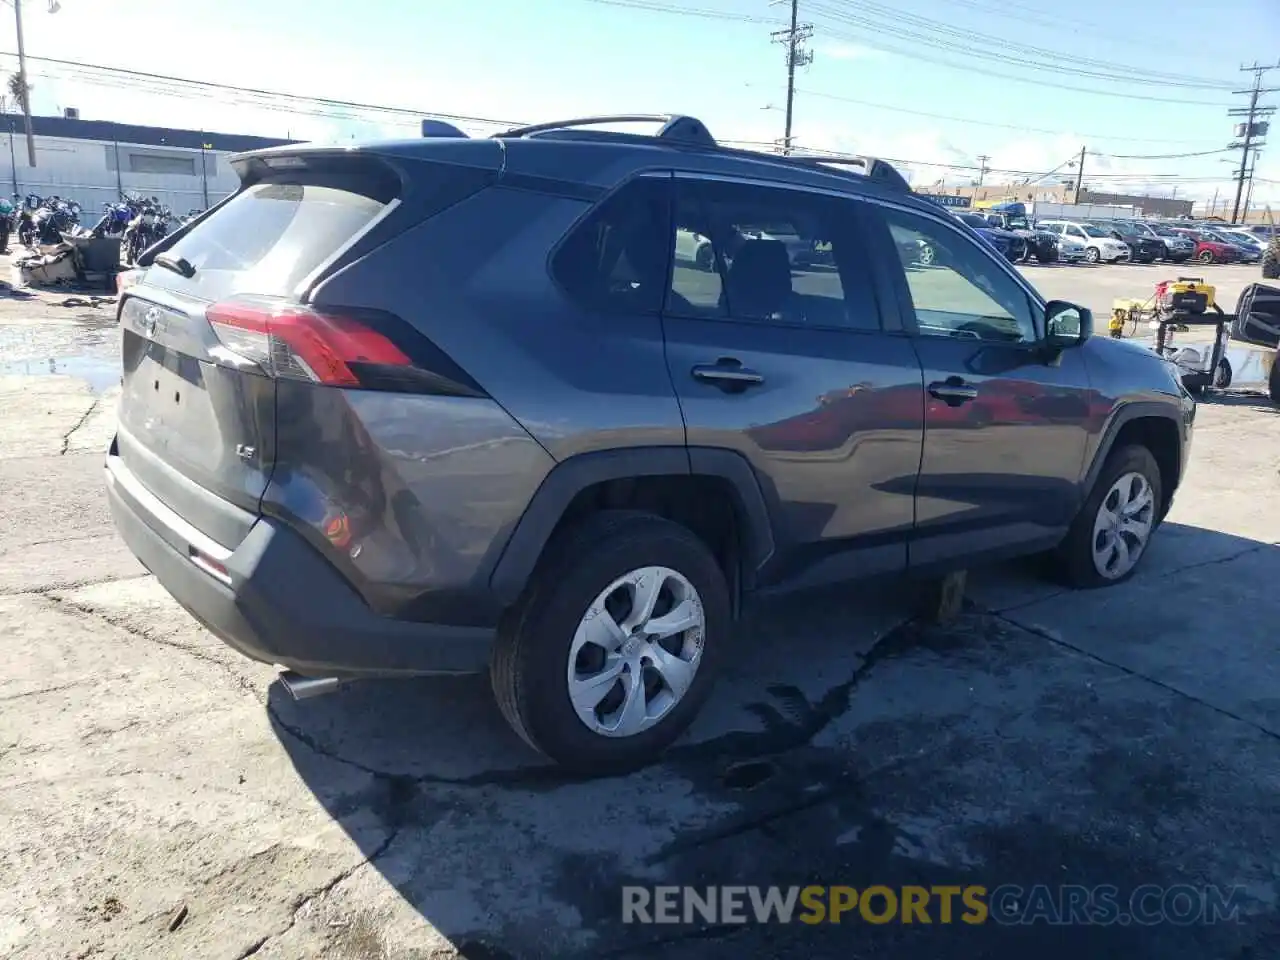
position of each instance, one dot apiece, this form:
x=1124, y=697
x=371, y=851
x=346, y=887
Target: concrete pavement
x=163, y=798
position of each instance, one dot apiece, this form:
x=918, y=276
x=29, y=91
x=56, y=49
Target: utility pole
x=1254, y=128
x=26, y=89
x=793, y=39
x=1248, y=194
x=1079, y=175
x=1213, y=207
x=204, y=169
x=982, y=168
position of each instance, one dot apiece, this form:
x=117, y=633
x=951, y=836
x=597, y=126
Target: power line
x=1159, y=156
x=877, y=28
x=982, y=123
x=1010, y=77
x=254, y=91
x=838, y=155
x=653, y=6
x=987, y=46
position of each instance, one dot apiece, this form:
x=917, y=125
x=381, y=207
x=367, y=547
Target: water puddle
x=100, y=373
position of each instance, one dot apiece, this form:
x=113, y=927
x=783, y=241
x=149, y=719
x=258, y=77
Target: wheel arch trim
x=515, y=563
x=1127, y=413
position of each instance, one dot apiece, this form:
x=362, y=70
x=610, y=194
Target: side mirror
x=1066, y=325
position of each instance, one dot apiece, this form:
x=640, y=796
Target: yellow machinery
x=1173, y=300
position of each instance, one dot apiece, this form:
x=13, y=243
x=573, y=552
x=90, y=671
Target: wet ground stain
x=100, y=374
x=1064, y=787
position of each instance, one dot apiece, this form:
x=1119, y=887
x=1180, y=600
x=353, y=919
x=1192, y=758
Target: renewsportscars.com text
x=1008, y=904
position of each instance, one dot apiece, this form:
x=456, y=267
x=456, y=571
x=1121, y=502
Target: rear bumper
x=284, y=603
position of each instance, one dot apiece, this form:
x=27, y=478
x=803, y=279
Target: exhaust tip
x=304, y=688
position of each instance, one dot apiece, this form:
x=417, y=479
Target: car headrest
x=759, y=280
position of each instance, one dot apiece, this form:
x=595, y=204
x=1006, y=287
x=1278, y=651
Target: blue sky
x=873, y=86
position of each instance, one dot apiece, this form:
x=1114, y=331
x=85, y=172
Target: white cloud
x=840, y=50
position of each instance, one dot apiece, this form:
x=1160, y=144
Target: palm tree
x=19, y=90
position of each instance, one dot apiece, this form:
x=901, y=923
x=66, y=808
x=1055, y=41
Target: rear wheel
x=1110, y=534
x=1205, y=256
x=614, y=648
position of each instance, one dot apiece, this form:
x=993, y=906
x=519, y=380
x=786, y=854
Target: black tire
x=1271, y=261
x=529, y=670
x=1273, y=384
x=1091, y=255
x=1073, y=559
x=1046, y=257
x=704, y=258
x=1206, y=257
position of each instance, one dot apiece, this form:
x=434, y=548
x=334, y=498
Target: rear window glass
x=267, y=239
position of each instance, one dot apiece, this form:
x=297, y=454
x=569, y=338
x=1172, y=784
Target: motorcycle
x=44, y=221
x=114, y=221
x=149, y=226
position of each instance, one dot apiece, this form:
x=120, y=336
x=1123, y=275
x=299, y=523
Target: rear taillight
x=294, y=341
x=126, y=279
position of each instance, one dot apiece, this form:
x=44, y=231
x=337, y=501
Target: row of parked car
x=1020, y=239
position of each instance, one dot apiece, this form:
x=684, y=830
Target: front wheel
x=1092, y=255
x=1046, y=257
x=1110, y=534
x=614, y=648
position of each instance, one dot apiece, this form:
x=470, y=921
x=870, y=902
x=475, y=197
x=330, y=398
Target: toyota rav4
x=454, y=405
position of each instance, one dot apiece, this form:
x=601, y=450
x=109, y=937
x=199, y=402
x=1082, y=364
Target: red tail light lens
x=294, y=341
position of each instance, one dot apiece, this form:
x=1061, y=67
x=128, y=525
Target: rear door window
x=769, y=255
x=268, y=238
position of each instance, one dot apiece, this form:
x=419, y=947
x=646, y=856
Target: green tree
x=19, y=90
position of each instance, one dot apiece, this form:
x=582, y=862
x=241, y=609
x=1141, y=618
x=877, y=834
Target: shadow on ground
x=1120, y=737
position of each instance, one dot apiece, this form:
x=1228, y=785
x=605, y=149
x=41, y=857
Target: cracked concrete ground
x=161, y=797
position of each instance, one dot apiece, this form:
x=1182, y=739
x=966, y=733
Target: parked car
x=354, y=447
x=1209, y=249
x=1253, y=241
x=1177, y=248
x=1041, y=244
x=1247, y=251
x=1263, y=231
x=1010, y=245
x=695, y=249
x=1099, y=244
x=1142, y=248
x=1070, y=249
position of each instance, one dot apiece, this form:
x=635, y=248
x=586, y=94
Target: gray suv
x=453, y=405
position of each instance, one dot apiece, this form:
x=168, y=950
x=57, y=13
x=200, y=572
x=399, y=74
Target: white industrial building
x=94, y=161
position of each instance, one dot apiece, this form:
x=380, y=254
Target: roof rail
x=880, y=171
x=674, y=126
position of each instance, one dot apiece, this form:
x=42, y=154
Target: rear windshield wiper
x=179, y=265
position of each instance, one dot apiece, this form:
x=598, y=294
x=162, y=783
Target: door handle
x=727, y=374
x=953, y=391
